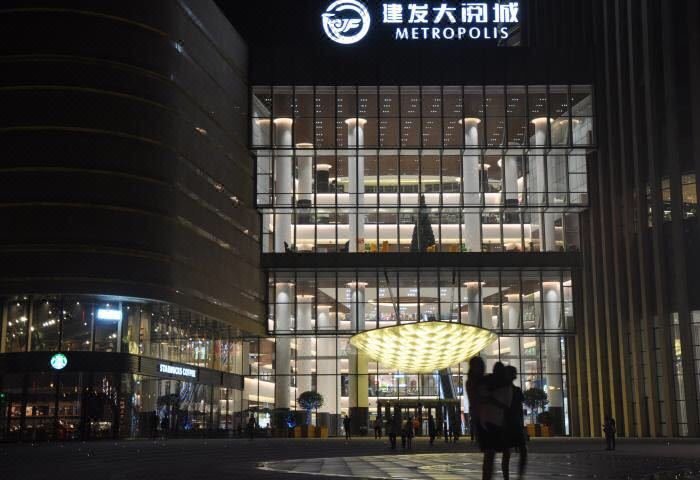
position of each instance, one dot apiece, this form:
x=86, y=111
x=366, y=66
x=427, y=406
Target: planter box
x=539, y=430
x=321, y=432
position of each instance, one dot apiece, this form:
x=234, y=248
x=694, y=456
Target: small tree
x=310, y=401
x=423, y=236
x=535, y=399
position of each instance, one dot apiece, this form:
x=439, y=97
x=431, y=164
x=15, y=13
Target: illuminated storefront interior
x=418, y=170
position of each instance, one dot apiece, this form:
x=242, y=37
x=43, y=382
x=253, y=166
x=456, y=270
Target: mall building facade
x=200, y=216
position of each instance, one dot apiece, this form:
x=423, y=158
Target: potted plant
x=309, y=401
x=535, y=399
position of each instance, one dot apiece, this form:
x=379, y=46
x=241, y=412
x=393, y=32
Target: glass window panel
x=409, y=185
x=452, y=132
x=689, y=193
x=77, y=325
x=346, y=103
x=324, y=103
x=106, y=331
x=410, y=132
x=517, y=131
x=495, y=101
x=324, y=132
x=17, y=327
x=389, y=132
x=303, y=101
x=370, y=138
x=432, y=132
x=388, y=102
x=46, y=323
x=367, y=102
x=303, y=129
x=408, y=296
x=262, y=102
x=582, y=100
x=491, y=231
x=453, y=102
x=410, y=102
x=283, y=102
x=430, y=178
x=495, y=131
x=431, y=102
x=582, y=131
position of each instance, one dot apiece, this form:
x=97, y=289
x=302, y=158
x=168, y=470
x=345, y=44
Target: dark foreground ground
x=359, y=458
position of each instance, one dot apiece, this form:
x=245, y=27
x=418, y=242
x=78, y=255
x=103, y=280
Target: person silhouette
x=346, y=427
x=409, y=432
x=515, y=431
x=610, y=431
x=493, y=399
x=252, y=426
x=432, y=429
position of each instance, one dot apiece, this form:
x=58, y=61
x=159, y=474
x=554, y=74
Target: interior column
x=327, y=378
x=537, y=183
x=512, y=320
x=283, y=328
x=470, y=186
x=358, y=382
x=284, y=183
x=472, y=293
x=356, y=183
x=305, y=356
x=552, y=321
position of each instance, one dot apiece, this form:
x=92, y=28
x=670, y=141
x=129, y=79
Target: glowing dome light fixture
x=423, y=347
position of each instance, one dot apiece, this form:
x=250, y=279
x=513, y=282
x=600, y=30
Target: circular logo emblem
x=58, y=361
x=346, y=21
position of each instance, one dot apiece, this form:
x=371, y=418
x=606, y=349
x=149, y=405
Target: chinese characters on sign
x=348, y=21
x=451, y=21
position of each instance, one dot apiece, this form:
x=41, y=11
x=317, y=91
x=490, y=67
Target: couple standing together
x=496, y=410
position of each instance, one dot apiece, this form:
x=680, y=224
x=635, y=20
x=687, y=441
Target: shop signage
x=348, y=21
x=109, y=314
x=178, y=371
x=58, y=361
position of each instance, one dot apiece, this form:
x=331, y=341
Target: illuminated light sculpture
x=423, y=347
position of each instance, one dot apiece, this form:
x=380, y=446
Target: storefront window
x=690, y=196
x=17, y=326
x=46, y=325
x=77, y=325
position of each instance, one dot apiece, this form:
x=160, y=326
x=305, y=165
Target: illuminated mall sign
x=176, y=370
x=349, y=21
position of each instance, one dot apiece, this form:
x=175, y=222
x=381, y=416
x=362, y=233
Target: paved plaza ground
x=327, y=458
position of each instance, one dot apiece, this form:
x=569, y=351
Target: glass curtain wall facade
x=402, y=170
x=495, y=168
x=314, y=314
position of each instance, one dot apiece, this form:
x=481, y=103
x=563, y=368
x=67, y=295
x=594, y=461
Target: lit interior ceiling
x=423, y=347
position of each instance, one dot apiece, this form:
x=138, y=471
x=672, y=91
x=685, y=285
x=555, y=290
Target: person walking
x=378, y=428
x=252, y=424
x=410, y=433
x=515, y=430
x=432, y=429
x=391, y=432
x=346, y=427
x=492, y=396
x=475, y=376
x=404, y=428
x=610, y=431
